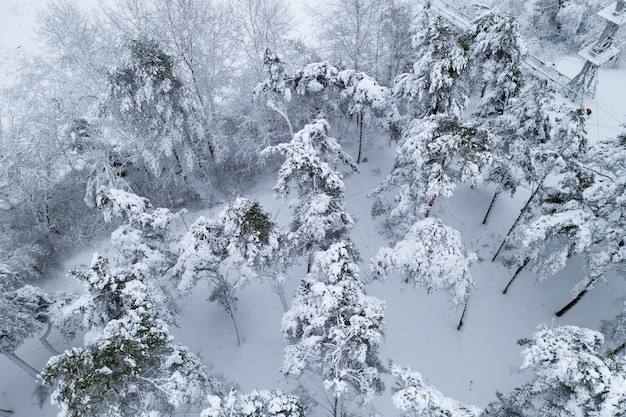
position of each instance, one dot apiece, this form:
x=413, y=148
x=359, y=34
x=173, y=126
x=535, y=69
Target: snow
x=468, y=365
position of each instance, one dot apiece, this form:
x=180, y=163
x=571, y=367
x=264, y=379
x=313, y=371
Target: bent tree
x=430, y=256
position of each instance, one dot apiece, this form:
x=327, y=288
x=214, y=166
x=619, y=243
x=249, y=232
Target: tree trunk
x=359, y=123
x=516, y=274
x=337, y=407
x=576, y=299
x=44, y=341
x=616, y=350
x=493, y=201
x=521, y=213
x=283, y=300
x=431, y=203
x=6, y=413
x=231, y=312
x=19, y=362
x=462, y=316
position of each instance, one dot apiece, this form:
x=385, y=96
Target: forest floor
x=467, y=365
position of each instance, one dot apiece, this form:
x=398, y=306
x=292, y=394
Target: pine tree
x=256, y=404
x=430, y=256
x=562, y=153
x=202, y=252
x=319, y=215
x=258, y=248
x=26, y=312
x=147, y=234
x=367, y=100
x=334, y=329
x=131, y=368
x=435, y=85
x=152, y=107
x=497, y=53
x=571, y=376
x=433, y=157
x=415, y=398
x=110, y=292
x=523, y=129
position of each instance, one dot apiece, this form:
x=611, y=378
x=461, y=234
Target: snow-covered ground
x=468, y=365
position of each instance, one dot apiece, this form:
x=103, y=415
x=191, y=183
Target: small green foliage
x=256, y=222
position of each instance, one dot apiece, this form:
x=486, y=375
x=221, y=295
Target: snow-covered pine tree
x=258, y=248
x=202, y=252
x=334, y=330
x=601, y=177
x=561, y=155
x=430, y=256
x=572, y=377
x=435, y=85
x=314, y=86
x=433, y=157
x=261, y=403
x=130, y=367
x=549, y=240
x=497, y=52
x=319, y=214
x=155, y=113
x=147, y=234
x=524, y=127
x=109, y=293
x=25, y=312
x=367, y=100
x=415, y=398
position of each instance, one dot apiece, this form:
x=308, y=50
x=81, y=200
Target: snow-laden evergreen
x=258, y=403
x=434, y=85
x=311, y=167
x=415, y=398
x=128, y=363
x=430, y=256
x=434, y=156
x=571, y=376
x=334, y=329
x=497, y=52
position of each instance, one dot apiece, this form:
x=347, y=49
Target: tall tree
x=521, y=131
x=497, y=52
x=571, y=376
x=334, y=329
x=257, y=246
x=129, y=368
x=435, y=84
x=258, y=403
x=26, y=312
x=319, y=215
x=155, y=113
x=202, y=252
x=433, y=157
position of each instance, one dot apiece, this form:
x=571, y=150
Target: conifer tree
x=261, y=403
x=415, y=398
x=497, y=53
x=431, y=256
x=433, y=157
x=319, y=215
x=151, y=106
x=334, y=329
x=571, y=376
x=435, y=84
